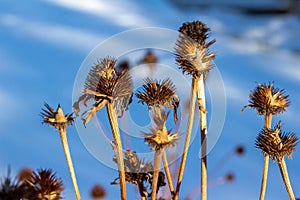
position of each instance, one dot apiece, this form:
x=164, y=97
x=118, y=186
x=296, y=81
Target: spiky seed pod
x=159, y=93
x=98, y=192
x=139, y=172
x=56, y=118
x=191, y=49
x=104, y=85
x=45, y=185
x=266, y=100
x=275, y=143
x=196, y=30
x=160, y=137
x=11, y=189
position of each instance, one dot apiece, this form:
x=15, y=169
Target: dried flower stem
x=167, y=171
x=157, y=158
x=118, y=147
x=63, y=137
x=188, y=136
x=285, y=177
x=203, y=130
x=268, y=122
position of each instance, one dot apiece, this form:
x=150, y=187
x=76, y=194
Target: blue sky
x=43, y=44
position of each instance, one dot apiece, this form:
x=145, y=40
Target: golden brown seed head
x=160, y=137
x=267, y=100
x=275, y=143
x=104, y=85
x=44, y=185
x=191, y=49
x=196, y=30
x=159, y=93
x=56, y=118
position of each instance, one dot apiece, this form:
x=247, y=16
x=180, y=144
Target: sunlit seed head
x=192, y=54
x=160, y=137
x=44, y=185
x=266, y=100
x=196, y=30
x=56, y=118
x=275, y=143
x=159, y=93
x=104, y=85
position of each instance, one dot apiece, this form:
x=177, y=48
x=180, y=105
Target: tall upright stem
x=64, y=140
x=118, y=147
x=188, y=136
x=167, y=171
x=203, y=130
x=285, y=177
x=157, y=156
x=267, y=124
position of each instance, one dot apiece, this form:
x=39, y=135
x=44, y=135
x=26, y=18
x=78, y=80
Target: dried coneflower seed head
x=191, y=49
x=275, y=143
x=56, y=118
x=196, y=30
x=160, y=137
x=98, y=192
x=104, y=85
x=45, y=185
x=159, y=93
x=11, y=189
x=268, y=100
x=139, y=172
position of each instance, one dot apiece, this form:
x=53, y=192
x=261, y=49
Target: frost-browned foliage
x=159, y=93
x=139, y=172
x=104, y=85
x=192, y=54
x=275, y=143
x=56, y=118
x=266, y=100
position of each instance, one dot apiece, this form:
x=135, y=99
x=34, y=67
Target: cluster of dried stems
x=109, y=86
x=275, y=144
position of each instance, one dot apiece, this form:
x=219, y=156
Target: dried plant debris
x=160, y=137
x=192, y=53
x=44, y=185
x=56, y=118
x=275, y=143
x=11, y=188
x=140, y=173
x=105, y=85
x=159, y=93
x=267, y=100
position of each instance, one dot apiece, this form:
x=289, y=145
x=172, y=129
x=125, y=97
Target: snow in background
x=43, y=43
